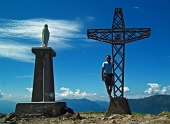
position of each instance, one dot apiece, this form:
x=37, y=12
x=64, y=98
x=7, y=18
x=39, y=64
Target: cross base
x=118, y=106
x=39, y=108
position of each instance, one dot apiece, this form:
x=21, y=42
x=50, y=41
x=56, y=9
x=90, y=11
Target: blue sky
x=77, y=66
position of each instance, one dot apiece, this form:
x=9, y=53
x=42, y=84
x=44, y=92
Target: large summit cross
x=118, y=36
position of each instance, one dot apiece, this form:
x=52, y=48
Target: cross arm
x=109, y=35
x=103, y=35
x=133, y=34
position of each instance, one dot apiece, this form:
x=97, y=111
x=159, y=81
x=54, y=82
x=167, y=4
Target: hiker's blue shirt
x=107, y=67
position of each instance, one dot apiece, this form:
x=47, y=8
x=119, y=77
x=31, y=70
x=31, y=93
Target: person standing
x=107, y=75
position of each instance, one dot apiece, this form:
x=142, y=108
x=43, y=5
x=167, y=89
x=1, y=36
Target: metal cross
x=118, y=36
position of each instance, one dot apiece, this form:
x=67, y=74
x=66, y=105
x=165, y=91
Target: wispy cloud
x=15, y=50
x=140, y=9
x=31, y=29
x=25, y=76
x=90, y=18
x=18, y=36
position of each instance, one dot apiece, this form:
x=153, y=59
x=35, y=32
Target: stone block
x=38, y=108
x=48, y=50
x=118, y=106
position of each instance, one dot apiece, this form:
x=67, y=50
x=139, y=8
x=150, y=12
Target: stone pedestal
x=43, y=94
x=43, y=84
x=39, y=108
x=118, y=106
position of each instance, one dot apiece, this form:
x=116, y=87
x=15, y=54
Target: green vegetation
x=164, y=113
x=152, y=105
x=138, y=114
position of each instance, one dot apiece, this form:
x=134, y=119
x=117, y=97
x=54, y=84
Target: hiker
x=107, y=75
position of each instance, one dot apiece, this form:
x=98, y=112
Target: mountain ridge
x=148, y=105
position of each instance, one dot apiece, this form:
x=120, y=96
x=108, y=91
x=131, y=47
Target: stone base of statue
x=43, y=83
x=39, y=108
x=43, y=94
x=118, y=106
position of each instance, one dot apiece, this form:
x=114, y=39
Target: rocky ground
x=90, y=118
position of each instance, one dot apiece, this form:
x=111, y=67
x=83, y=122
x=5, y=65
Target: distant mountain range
x=150, y=105
x=84, y=105
x=7, y=106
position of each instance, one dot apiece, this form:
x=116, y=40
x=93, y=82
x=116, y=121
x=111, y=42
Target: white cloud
x=1, y=96
x=18, y=36
x=29, y=89
x=126, y=89
x=32, y=28
x=155, y=89
x=67, y=93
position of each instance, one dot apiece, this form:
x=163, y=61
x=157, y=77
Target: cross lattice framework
x=118, y=36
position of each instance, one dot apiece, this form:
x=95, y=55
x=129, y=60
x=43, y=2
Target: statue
x=45, y=36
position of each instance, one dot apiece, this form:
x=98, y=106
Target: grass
x=138, y=114
x=164, y=113
x=92, y=112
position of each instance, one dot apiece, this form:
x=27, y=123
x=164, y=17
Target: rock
x=112, y=122
x=129, y=116
x=77, y=116
x=9, y=116
x=1, y=116
x=67, y=115
x=104, y=118
x=2, y=120
x=115, y=116
x=125, y=119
